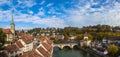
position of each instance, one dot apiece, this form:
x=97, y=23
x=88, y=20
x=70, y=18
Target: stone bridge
x=71, y=45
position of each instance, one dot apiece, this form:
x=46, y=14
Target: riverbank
x=96, y=54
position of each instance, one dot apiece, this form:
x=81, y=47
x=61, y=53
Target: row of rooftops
x=114, y=38
x=15, y=46
x=32, y=53
x=43, y=50
x=44, y=41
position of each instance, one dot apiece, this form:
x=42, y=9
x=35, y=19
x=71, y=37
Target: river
x=71, y=53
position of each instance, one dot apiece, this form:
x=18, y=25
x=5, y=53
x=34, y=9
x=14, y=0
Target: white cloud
x=4, y=2
x=80, y=16
x=53, y=10
x=50, y=4
x=23, y=27
x=91, y=16
x=41, y=9
x=42, y=2
x=48, y=21
x=31, y=12
x=5, y=16
x=26, y=3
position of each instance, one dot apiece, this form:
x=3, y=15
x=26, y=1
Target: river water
x=71, y=53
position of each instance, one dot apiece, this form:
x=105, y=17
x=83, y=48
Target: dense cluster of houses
x=26, y=45
x=100, y=47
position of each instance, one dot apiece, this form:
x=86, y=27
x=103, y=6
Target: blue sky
x=59, y=13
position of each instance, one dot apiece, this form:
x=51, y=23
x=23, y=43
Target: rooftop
x=7, y=31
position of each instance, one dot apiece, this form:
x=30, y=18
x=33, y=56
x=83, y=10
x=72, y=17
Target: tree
x=90, y=37
x=112, y=50
x=2, y=38
x=79, y=36
x=66, y=37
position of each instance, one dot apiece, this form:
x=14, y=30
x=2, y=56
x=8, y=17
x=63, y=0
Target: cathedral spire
x=12, y=22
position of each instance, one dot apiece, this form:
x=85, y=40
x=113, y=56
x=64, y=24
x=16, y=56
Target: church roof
x=6, y=31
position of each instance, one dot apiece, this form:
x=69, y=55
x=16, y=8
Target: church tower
x=12, y=27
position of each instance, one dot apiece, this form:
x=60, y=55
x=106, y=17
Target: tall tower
x=12, y=27
x=85, y=36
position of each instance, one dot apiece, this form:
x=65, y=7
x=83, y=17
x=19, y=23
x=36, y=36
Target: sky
x=29, y=14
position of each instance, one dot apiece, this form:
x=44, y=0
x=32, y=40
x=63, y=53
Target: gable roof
x=27, y=38
x=47, y=46
x=43, y=51
x=50, y=42
x=6, y=31
x=19, y=44
x=11, y=48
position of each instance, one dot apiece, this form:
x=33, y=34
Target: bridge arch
x=75, y=47
x=66, y=47
x=56, y=48
x=71, y=45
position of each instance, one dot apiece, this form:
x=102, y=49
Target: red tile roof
x=42, y=38
x=32, y=53
x=35, y=54
x=3, y=54
x=20, y=34
x=7, y=31
x=11, y=48
x=19, y=44
x=47, y=46
x=114, y=38
x=24, y=55
x=27, y=38
x=43, y=51
x=50, y=42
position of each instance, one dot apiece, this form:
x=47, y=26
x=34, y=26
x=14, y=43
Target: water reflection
x=70, y=53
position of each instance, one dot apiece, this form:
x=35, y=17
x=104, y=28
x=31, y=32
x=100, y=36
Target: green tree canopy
x=79, y=36
x=112, y=50
x=66, y=37
x=2, y=38
x=90, y=37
